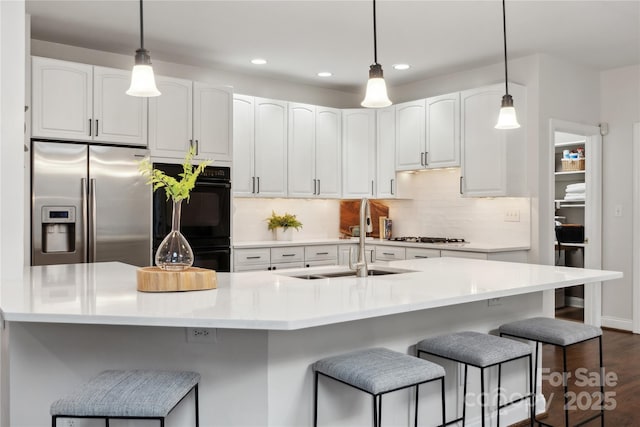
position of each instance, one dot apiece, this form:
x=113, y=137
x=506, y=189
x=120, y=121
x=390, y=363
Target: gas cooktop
x=426, y=240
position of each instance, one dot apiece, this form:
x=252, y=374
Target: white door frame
x=593, y=209
x=636, y=228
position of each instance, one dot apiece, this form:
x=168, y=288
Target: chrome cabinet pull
x=258, y=185
x=426, y=158
x=253, y=185
x=315, y=185
x=460, y=185
x=392, y=182
x=90, y=126
x=322, y=253
x=288, y=255
x=318, y=188
x=372, y=189
x=254, y=257
x=97, y=127
x=197, y=147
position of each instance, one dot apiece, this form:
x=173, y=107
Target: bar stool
x=378, y=371
x=480, y=351
x=563, y=334
x=136, y=394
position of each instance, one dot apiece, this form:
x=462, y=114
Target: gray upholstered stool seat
x=481, y=351
x=474, y=348
x=551, y=331
x=378, y=371
x=563, y=334
x=128, y=394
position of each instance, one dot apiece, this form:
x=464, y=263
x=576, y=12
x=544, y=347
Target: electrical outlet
x=202, y=335
x=512, y=215
x=492, y=302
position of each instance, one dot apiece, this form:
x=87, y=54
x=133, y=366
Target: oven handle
x=213, y=184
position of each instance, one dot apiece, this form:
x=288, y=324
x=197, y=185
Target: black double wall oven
x=206, y=218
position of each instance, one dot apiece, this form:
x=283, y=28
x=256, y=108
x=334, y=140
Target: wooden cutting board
x=350, y=215
x=154, y=279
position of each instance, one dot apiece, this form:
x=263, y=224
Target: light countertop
x=466, y=247
x=105, y=293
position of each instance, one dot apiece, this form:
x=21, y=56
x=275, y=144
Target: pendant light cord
x=141, y=28
x=504, y=34
x=375, y=41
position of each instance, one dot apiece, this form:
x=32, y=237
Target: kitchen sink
x=374, y=271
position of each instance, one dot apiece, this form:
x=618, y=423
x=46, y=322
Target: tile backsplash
x=433, y=207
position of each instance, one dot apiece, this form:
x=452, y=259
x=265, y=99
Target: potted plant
x=174, y=253
x=282, y=224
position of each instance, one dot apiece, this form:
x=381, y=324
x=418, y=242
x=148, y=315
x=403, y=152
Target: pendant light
x=143, y=83
x=507, y=118
x=376, y=94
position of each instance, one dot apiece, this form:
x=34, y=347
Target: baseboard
x=574, y=301
x=617, y=323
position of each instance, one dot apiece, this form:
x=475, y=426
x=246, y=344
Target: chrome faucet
x=360, y=266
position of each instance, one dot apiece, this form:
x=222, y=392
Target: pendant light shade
x=376, y=94
x=507, y=118
x=143, y=83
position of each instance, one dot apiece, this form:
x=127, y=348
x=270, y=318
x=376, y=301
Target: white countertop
x=468, y=247
x=105, y=293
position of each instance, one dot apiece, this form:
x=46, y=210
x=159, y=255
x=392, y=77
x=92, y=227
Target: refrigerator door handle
x=93, y=228
x=85, y=216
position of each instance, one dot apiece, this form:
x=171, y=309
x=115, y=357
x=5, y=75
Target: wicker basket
x=569, y=165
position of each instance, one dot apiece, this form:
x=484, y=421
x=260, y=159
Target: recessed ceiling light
x=259, y=61
x=325, y=74
x=401, y=66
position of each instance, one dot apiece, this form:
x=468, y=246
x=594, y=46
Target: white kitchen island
x=63, y=324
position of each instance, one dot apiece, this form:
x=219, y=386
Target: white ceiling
x=302, y=37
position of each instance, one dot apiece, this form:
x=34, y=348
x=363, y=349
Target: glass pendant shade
x=376, y=94
x=507, y=118
x=143, y=82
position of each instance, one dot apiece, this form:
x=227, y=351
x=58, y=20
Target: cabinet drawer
x=389, y=253
x=251, y=267
x=252, y=256
x=287, y=254
x=420, y=253
x=318, y=253
x=285, y=265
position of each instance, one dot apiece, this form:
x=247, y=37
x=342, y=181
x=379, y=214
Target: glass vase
x=174, y=253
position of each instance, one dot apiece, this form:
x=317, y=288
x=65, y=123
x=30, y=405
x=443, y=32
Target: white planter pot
x=284, y=233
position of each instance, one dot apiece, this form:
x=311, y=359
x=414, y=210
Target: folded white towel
x=575, y=190
x=576, y=186
x=574, y=196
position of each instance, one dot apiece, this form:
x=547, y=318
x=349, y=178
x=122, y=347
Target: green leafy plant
x=175, y=189
x=285, y=221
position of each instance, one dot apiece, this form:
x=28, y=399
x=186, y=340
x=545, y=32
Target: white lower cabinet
x=343, y=255
x=283, y=257
x=389, y=253
x=421, y=253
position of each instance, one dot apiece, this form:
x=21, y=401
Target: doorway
x=576, y=188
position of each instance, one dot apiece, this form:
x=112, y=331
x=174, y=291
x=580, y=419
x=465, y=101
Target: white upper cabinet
x=494, y=161
x=410, y=135
x=171, y=118
x=386, y=153
x=62, y=99
x=328, y=152
x=358, y=153
x=243, y=141
x=191, y=114
x=443, y=131
x=428, y=133
x=260, y=147
x=212, y=121
x=314, y=151
x=85, y=103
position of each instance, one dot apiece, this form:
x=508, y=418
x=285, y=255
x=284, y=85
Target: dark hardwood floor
x=621, y=351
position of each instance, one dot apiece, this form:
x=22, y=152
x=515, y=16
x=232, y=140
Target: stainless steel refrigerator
x=89, y=204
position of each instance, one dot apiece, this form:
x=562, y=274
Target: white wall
x=242, y=83
x=620, y=108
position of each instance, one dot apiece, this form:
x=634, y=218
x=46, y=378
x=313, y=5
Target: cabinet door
x=493, y=160
x=301, y=148
x=270, y=147
x=358, y=148
x=243, y=141
x=212, y=121
x=386, y=153
x=328, y=152
x=171, y=118
x=443, y=131
x=119, y=118
x=61, y=99
x=410, y=135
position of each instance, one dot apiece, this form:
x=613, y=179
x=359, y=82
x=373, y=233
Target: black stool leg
x=532, y=404
x=601, y=382
x=315, y=399
x=379, y=410
x=195, y=395
x=444, y=412
x=161, y=422
x=375, y=411
x=565, y=381
x=106, y=422
x=416, y=421
x=535, y=382
x=482, y=393
x=464, y=398
x=53, y=421
x=498, y=395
